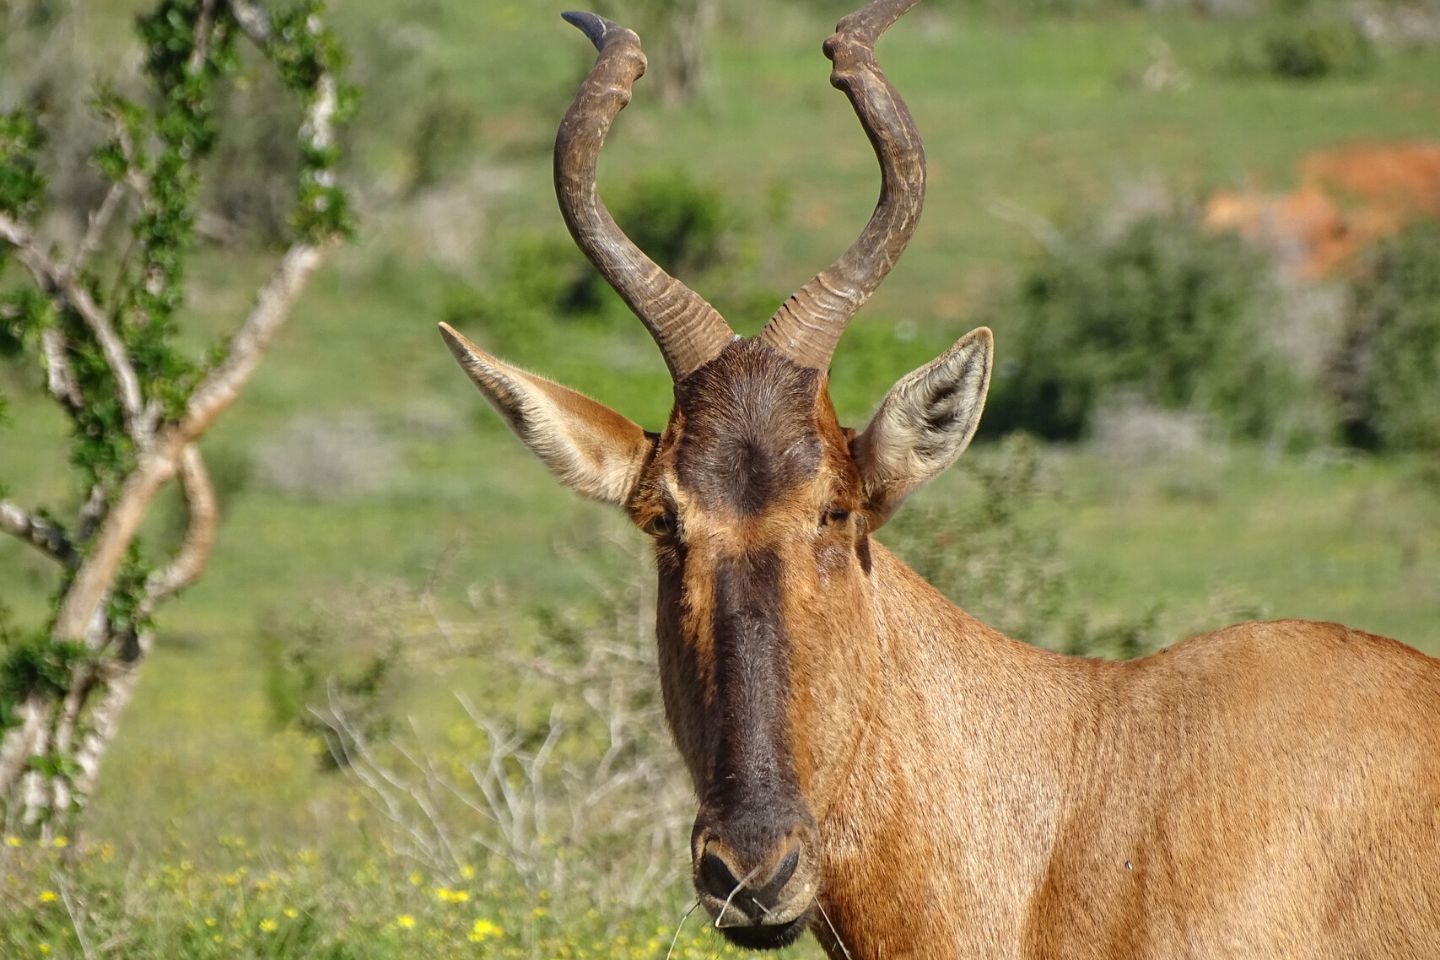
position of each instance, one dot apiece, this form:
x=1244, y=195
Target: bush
x=311, y=671
x=682, y=225
x=1159, y=310
x=551, y=766
x=1310, y=50
x=1387, y=373
x=1306, y=48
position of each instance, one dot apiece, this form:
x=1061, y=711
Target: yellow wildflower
x=210, y=921
x=446, y=895
x=416, y=879
x=48, y=896
x=44, y=949
x=268, y=925
x=484, y=930
x=468, y=872
x=14, y=841
x=405, y=922
x=291, y=912
x=218, y=939
x=61, y=842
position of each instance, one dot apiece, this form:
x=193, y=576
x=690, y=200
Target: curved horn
x=807, y=327
x=688, y=330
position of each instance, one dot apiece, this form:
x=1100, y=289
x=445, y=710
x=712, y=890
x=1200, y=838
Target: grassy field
x=215, y=833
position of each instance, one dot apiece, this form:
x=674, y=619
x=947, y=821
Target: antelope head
x=759, y=502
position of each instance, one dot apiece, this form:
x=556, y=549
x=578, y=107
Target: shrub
x=1159, y=310
x=1312, y=49
x=680, y=224
x=556, y=769
x=1387, y=373
x=1305, y=47
x=310, y=667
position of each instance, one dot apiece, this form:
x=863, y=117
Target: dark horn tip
x=592, y=25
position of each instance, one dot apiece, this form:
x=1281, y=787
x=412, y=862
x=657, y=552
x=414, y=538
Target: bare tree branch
x=104, y=718
x=253, y=19
x=272, y=308
x=204, y=24
x=189, y=561
x=59, y=378
x=97, y=572
x=318, y=127
x=17, y=746
x=97, y=505
x=219, y=389
x=38, y=532
x=99, y=219
x=134, y=169
x=80, y=725
x=57, y=282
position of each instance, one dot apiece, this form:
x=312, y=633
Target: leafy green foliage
x=33, y=665
x=74, y=325
x=1311, y=49
x=680, y=224
x=22, y=185
x=1161, y=309
x=309, y=668
x=1388, y=371
x=306, y=50
x=101, y=450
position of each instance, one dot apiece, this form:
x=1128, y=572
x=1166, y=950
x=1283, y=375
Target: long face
x=756, y=509
x=760, y=505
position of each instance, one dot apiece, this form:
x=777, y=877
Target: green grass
x=1043, y=113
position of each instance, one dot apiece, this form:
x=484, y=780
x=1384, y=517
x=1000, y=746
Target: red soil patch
x=1348, y=197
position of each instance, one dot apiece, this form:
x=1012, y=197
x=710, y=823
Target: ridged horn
x=807, y=326
x=687, y=329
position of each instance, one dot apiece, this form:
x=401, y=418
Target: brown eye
x=661, y=525
x=834, y=515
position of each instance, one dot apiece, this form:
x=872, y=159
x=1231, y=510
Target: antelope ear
x=923, y=425
x=591, y=449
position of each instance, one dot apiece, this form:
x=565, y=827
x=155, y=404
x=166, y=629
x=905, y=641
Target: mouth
x=765, y=936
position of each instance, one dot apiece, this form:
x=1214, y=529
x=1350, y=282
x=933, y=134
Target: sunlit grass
x=244, y=900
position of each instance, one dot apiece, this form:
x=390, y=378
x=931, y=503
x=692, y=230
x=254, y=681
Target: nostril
x=782, y=875
x=717, y=876
x=756, y=893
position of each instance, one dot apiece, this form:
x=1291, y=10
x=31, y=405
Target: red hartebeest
x=876, y=765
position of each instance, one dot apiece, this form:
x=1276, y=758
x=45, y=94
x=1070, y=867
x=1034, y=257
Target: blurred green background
x=1188, y=426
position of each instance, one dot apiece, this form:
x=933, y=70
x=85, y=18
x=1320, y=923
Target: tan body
x=1268, y=790
x=874, y=765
